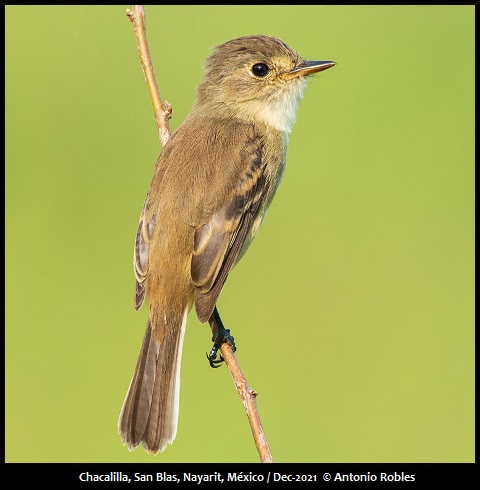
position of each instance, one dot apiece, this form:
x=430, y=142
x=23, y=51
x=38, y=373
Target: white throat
x=280, y=111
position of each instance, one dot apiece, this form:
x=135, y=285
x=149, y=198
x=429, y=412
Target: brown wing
x=140, y=258
x=141, y=253
x=219, y=242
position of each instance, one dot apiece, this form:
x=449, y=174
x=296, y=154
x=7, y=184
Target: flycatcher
x=210, y=191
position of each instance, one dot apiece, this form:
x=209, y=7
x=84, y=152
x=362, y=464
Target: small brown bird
x=211, y=188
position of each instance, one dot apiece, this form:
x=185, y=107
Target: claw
x=214, y=363
x=220, y=335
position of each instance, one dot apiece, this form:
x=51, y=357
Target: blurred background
x=353, y=312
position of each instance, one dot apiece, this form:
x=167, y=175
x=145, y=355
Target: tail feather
x=150, y=411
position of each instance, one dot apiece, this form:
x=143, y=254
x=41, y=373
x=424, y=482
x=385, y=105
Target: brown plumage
x=211, y=188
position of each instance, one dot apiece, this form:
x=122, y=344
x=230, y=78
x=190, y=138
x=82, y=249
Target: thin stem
x=161, y=109
x=246, y=394
x=248, y=397
x=163, y=112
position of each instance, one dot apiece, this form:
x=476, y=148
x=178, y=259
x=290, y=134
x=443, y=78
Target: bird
x=212, y=185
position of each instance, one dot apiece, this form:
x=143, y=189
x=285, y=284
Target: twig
x=248, y=397
x=246, y=394
x=161, y=109
x=163, y=112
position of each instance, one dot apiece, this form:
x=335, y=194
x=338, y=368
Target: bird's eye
x=260, y=70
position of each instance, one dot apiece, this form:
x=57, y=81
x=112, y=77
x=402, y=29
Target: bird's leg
x=220, y=335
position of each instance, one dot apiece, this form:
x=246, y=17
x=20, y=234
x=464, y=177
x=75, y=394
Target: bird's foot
x=221, y=336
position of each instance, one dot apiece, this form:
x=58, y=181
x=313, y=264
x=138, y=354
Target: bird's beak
x=308, y=68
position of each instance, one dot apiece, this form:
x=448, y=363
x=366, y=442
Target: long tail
x=150, y=411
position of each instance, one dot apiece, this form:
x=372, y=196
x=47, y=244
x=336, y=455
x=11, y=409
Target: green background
x=353, y=312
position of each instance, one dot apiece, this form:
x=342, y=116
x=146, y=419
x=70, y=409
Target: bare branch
x=161, y=109
x=163, y=112
x=248, y=397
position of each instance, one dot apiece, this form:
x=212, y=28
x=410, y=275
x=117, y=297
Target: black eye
x=260, y=70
